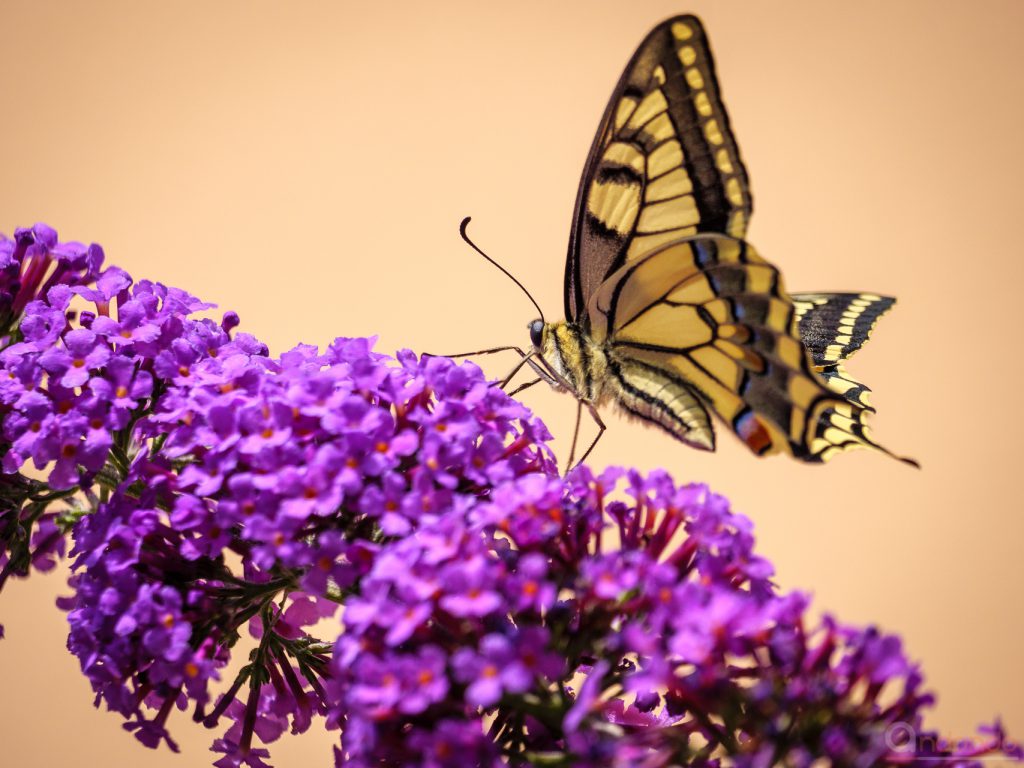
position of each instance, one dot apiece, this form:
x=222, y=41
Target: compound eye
x=537, y=332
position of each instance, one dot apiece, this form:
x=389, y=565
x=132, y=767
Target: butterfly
x=670, y=313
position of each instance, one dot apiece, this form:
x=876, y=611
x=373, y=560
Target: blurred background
x=307, y=164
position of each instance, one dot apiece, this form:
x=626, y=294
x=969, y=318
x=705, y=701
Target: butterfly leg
x=525, y=386
x=580, y=403
x=600, y=431
x=527, y=360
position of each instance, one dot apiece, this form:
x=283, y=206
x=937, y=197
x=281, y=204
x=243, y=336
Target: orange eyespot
x=753, y=433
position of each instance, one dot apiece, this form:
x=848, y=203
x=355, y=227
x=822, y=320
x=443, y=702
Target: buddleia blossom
x=32, y=264
x=566, y=626
x=388, y=546
x=299, y=465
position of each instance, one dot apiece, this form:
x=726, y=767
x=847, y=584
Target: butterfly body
x=670, y=313
x=577, y=360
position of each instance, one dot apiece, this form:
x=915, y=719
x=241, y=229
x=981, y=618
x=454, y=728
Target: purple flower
x=34, y=262
x=491, y=671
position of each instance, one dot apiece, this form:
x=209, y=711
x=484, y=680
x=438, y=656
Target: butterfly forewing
x=663, y=165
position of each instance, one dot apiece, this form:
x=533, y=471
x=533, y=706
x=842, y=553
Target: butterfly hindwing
x=655, y=395
x=835, y=325
x=663, y=165
x=709, y=314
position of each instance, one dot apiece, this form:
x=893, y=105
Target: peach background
x=307, y=164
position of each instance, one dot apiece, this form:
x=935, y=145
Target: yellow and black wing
x=835, y=325
x=663, y=164
x=706, y=320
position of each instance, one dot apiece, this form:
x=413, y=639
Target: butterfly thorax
x=576, y=358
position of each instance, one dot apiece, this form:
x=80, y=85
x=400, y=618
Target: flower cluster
x=549, y=623
x=300, y=466
x=32, y=264
x=221, y=501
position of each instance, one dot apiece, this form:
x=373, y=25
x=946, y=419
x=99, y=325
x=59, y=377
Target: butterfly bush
x=386, y=548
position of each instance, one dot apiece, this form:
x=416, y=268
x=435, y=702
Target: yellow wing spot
x=802, y=391
x=735, y=351
x=621, y=153
x=694, y=290
x=733, y=191
x=737, y=225
x=694, y=78
x=844, y=409
x=843, y=422
x=681, y=31
x=703, y=104
x=747, y=357
x=778, y=316
x=720, y=312
x=659, y=129
x=719, y=366
x=752, y=255
x=821, y=448
x=644, y=244
x=871, y=297
x=843, y=339
x=671, y=184
x=666, y=157
x=713, y=132
x=760, y=278
x=790, y=351
x=652, y=104
x=797, y=424
x=833, y=351
x=670, y=214
x=729, y=251
x=836, y=436
x=659, y=75
x=728, y=331
x=615, y=205
x=623, y=111
x=842, y=386
x=722, y=159
x=687, y=55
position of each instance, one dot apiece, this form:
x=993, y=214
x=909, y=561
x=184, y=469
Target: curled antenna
x=462, y=231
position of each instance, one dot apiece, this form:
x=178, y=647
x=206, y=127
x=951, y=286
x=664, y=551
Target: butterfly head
x=546, y=348
x=575, y=362
x=537, y=334
x=547, y=344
